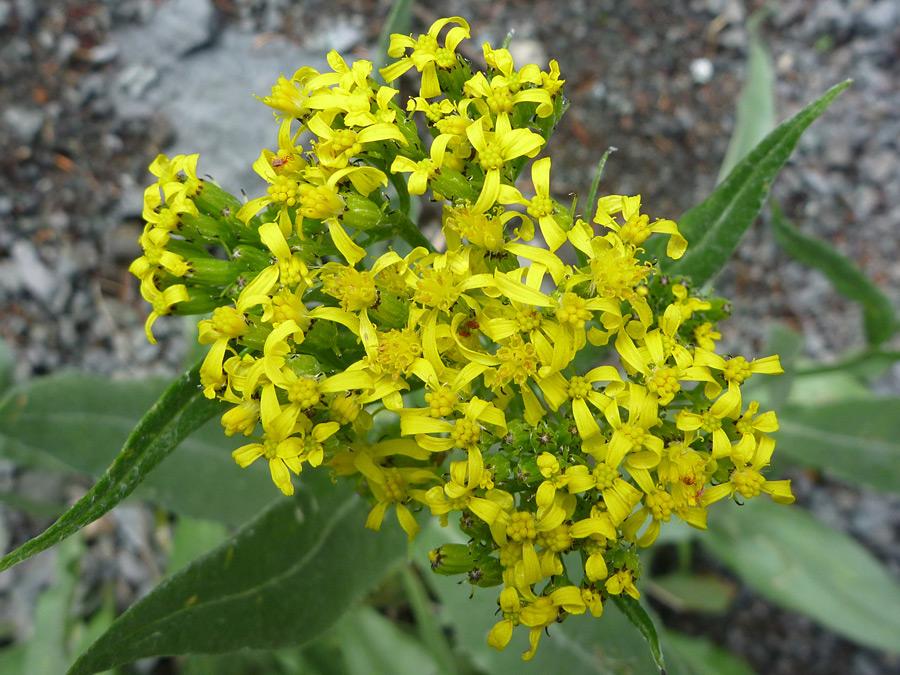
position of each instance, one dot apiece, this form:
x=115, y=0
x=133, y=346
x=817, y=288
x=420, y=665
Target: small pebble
x=702, y=70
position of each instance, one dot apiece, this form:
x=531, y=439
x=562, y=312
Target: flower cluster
x=555, y=394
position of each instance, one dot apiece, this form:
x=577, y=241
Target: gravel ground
x=90, y=92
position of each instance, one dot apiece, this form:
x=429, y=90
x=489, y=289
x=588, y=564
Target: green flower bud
x=304, y=365
x=202, y=301
x=207, y=230
x=453, y=81
x=252, y=258
x=499, y=465
x=474, y=528
x=216, y=202
x=213, y=272
x=361, y=213
x=390, y=312
x=453, y=185
x=518, y=434
x=488, y=572
x=451, y=559
x=529, y=472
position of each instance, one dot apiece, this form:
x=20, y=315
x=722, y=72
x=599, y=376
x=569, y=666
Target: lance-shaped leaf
x=180, y=410
x=282, y=580
x=714, y=227
x=797, y=562
x=755, y=114
x=879, y=319
x=76, y=421
x=639, y=618
x=855, y=439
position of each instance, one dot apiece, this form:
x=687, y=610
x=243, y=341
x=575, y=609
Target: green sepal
x=213, y=272
x=216, y=202
x=453, y=185
x=362, y=213
x=207, y=230
x=391, y=312
x=252, y=257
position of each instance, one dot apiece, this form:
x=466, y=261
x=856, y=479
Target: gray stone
x=220, y=118
x=103, y=53
x=176, y=29
x=24, y=123
x=702, y=70
x=66, y=47
x=36, y=277
x=880, y=16
x=136, y=78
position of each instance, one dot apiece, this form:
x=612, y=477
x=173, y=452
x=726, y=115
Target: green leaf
x=282, y=580
x=180, y=410
x=373, y=645
x=592, y=195
x=855, y=439
x=75, y=421
x=46, y=652
x=6, y=367
x=194, y=538
x=797, y=562
x=692, y=593
x=789, y=346
x=879, y=318
x=639, y=618
x=755, y=116
x=701, y=657
x=714, y=227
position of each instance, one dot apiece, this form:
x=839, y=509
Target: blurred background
x=91, y=92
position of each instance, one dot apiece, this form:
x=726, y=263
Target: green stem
x=399, y=183
x=592, y=195
x=429, y=630
x=858, y=359
x=409, y=232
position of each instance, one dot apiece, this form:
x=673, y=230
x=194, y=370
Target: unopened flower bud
x=213, y=200
x=390, y=312
x=361, y=213
x=213, y=272
x=453, y=185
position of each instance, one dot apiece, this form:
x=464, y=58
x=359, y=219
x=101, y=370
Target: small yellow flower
x=427, y=54
x=494, y=149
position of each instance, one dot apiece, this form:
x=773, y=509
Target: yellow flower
x=427, y=54
x=494, y=149
x=336, y=147
x=541, y=207
x=622, y=581
x=545, y=610
x=162, y=302
x=736, y=371
x=635, y=433
x=459, y=493
x=289, y=97
x=747, y=480
x=637, y=228
x=425, y=169
x=507, y=89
